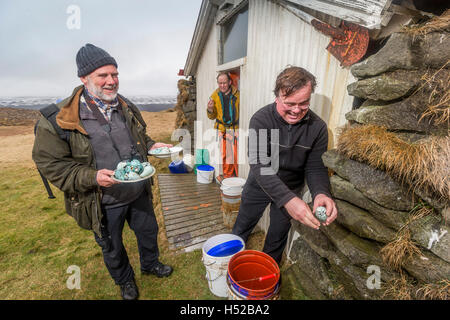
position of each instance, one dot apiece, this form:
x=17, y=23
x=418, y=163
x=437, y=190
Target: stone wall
x=390, y=182
x=186, y=107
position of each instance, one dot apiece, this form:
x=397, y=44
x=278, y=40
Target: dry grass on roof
x=182, y=98
x=437, y=23
x=403, y=248
x=435, y=291
x=399, y=251
x=438, y=104
x=422, y=165
x=399, y=288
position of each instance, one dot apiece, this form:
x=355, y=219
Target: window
x=234, y=36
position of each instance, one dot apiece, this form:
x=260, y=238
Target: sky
x=149, y=40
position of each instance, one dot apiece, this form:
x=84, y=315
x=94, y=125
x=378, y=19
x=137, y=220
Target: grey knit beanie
x=91, y=57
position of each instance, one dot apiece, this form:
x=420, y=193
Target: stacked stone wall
x=186, y=107
x=390, y=181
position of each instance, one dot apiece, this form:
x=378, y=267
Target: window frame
x=221, y=30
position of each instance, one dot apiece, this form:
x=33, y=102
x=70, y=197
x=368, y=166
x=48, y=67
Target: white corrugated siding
x=277, y=38
x=206, y=84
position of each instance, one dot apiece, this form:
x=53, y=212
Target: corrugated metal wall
x=206, y=84
x=277, y=38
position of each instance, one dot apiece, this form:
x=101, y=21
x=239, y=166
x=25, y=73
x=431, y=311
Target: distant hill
x=144, y=103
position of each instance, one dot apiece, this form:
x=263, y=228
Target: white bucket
x=232, y=186
x=217, y=267
x=205, y=174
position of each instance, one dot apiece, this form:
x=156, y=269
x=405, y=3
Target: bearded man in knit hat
x=78, y=146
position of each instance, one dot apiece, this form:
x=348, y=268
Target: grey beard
x=98, y=92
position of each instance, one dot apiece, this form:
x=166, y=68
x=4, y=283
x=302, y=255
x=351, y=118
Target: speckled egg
x=321, y=214
x=121, y=165
x=119, y=174
x=132, y=176
x=127, y=168
x=147, y=170
x=160, y=150
x=132, y=170
x=136, y=166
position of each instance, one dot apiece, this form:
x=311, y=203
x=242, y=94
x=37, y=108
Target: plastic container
x=232, y=186
x=252, y=264
x=226, y=248
x=230, y=199
x=216, y=267
x=177, y=167
x=235, y=295
x=205, y=174
x=231, y=189
x=201, y=158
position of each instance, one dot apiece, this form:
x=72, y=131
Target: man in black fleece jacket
x=286, y=142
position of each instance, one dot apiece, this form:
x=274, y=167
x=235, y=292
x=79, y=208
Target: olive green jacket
x=71, y=167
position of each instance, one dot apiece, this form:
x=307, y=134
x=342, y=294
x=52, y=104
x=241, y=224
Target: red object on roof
x=349, y=42
x=181, y=72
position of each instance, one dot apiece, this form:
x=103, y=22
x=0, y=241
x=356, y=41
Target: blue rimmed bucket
x=217, y=252
x=205, y=173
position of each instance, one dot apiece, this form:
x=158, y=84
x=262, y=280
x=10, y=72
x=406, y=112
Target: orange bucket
x=253, y=274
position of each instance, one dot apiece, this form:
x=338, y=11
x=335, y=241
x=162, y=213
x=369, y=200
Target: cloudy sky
x=149, y=39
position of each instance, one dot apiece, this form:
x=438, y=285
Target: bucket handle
x=210, y=264
x=206, y=276
x=207, y=265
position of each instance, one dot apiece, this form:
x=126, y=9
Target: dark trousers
x=141, y=218
x=253, y=203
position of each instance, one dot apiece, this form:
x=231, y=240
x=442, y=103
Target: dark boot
x=129, y=290
x=159, y=269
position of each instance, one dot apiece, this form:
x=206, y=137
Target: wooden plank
x=193, y=228
x=199, y=222
x=192, y=199
x=163, y=175
x=191, y=184
x=174, y=219
x=182, y=213
x=190, y=206
x=194, y=204
x=177, y=177
x=176, y=237
x=198, y=242
x=186, y=190
x=191, y=211
x=199, y=199
x=187, y=238
x=202, y=203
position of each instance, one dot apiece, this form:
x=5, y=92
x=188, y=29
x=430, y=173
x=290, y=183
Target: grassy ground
x=39, y=242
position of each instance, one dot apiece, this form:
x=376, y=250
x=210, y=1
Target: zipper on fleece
x=288, y=144
x=289, y=135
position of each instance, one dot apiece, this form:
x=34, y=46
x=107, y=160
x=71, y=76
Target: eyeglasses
x=292, y=105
